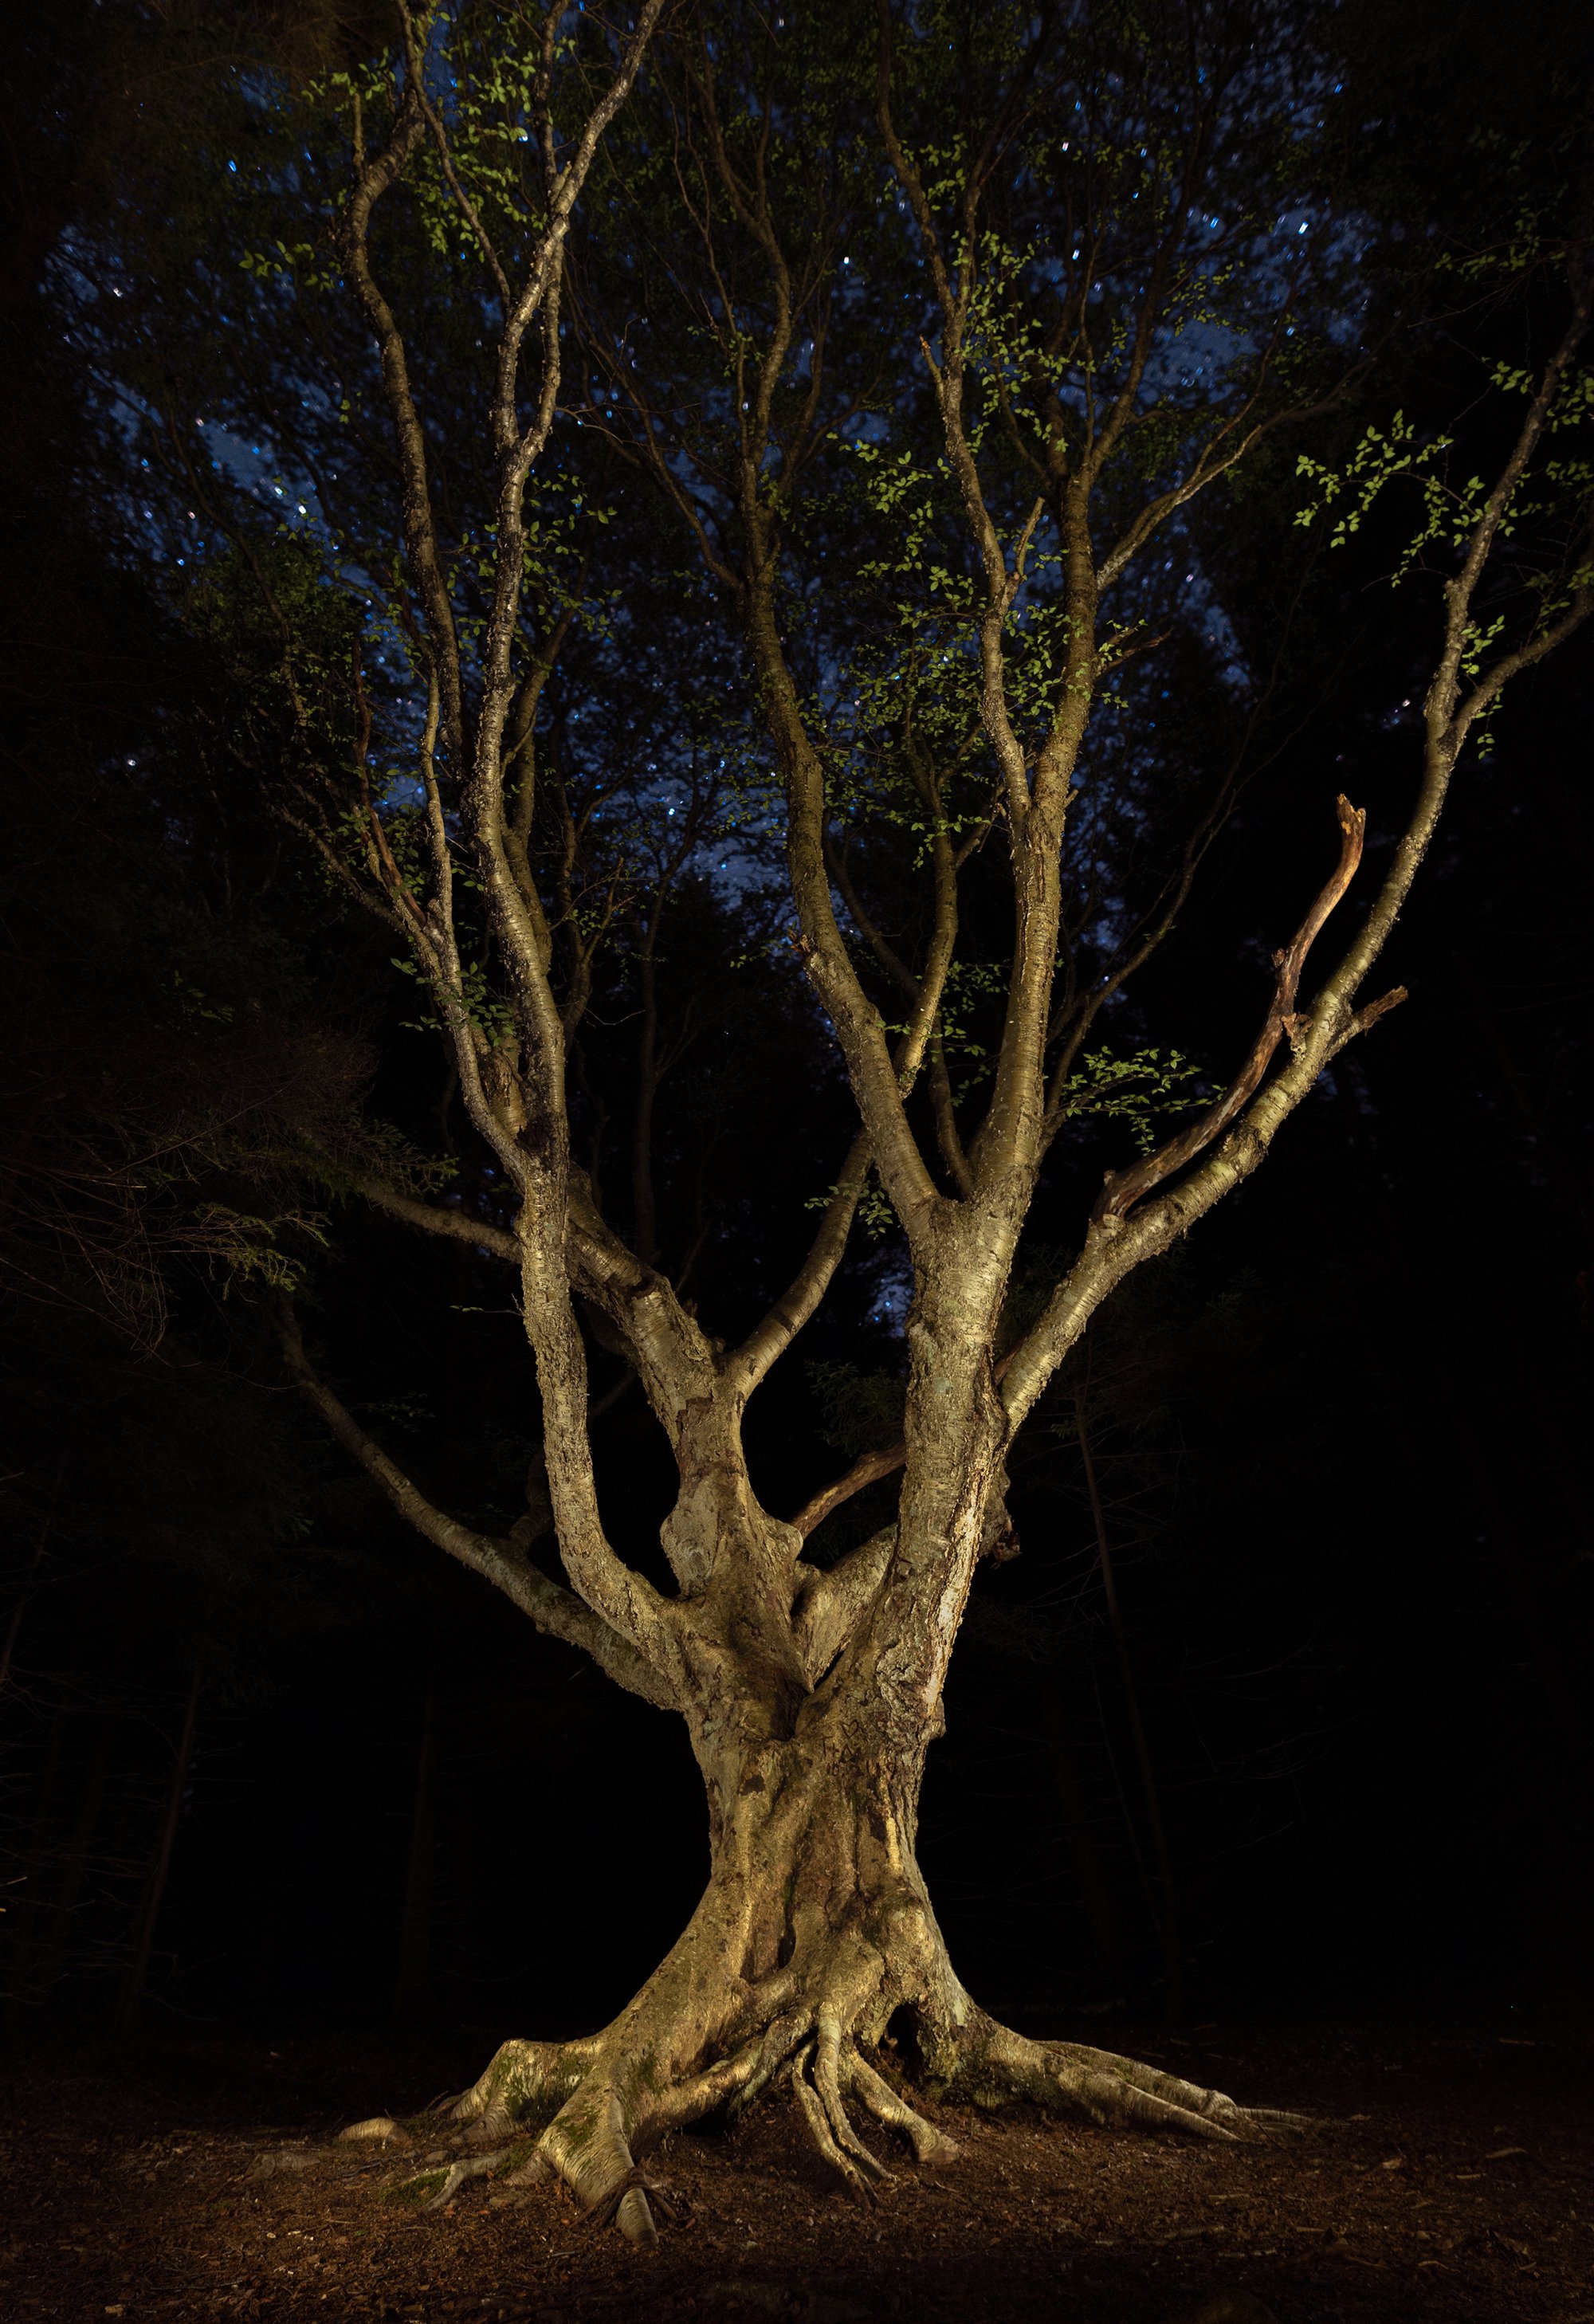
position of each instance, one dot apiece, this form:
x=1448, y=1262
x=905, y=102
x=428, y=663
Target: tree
x=812, y=446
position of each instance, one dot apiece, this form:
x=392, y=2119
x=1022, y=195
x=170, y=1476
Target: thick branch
x=1114, y=1247
x=947, y=1134
x=455, y=1226
x=1011, y=1138
x=780, y=1326
x=670, y=1352
x=856, y=1020
x=552, y=1608
x=671, y=1355
x=830, y=1605
x=1072, y=1022
x=875, y=1076
x=1448, y=724
x=867, y=1469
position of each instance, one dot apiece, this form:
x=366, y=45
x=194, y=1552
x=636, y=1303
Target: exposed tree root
x=990, y=2065
x=475, y=2166
x=286, y=2159
x=604, y=2102
x=862, y=2175
x=804, y=1994
x=604, y=2108
x=636, y=2183
x=928, y=2144
x=380, y=2128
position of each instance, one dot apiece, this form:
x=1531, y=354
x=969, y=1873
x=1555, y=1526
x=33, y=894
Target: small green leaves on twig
x=1141, y=1089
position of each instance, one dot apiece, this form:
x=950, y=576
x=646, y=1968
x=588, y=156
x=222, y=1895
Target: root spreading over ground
x=588, y=2112
x=200, y=2180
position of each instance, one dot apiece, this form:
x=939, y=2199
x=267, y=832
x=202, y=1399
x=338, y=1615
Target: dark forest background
x=268, y=1761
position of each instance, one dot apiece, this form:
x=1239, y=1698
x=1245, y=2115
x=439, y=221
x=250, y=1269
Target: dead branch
x=1124, y=1188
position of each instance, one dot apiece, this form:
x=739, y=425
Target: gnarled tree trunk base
x=700, y=2039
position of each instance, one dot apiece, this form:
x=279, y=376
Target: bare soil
x=1449, y=2176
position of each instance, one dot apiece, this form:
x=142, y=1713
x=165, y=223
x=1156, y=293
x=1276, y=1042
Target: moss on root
x=410, y=2194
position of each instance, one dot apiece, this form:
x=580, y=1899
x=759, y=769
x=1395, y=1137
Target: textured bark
x=815, y=1935
x=811, y=1699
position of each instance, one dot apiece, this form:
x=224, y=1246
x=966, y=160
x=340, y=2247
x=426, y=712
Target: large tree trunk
x=815, y=1934
x=811, y=1698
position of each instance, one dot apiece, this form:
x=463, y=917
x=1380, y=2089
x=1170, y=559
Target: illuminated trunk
x=815, y=1934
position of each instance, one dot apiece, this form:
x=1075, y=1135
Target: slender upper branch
x=1114, y=1243
x=953, y=295
x=377, y=177
x=780, y=1326
x=771, y=1338
x=515, y=1091
x=415, y=64
x=454, y=1226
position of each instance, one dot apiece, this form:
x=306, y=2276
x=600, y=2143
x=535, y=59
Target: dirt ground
x=1448, y=2176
